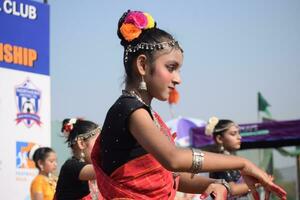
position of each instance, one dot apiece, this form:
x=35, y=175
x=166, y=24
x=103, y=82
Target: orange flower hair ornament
x=134, y=23
x=173, y=97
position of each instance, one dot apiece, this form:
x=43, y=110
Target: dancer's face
x=49, y=165
x=165, y=75
x=232, y=139
x=89, y=147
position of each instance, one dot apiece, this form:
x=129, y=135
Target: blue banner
x=24, y=36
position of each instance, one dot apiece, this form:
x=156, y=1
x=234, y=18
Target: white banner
x=25, y=121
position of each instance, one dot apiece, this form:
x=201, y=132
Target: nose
x=239, y=137
x=176, y=78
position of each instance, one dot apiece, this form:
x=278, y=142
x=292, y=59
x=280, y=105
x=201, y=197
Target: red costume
x=142, y=178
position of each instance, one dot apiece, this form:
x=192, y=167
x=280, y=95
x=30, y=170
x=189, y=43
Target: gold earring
x=221, y=148
x=82, y=157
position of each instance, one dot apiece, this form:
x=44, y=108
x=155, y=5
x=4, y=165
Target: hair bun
x=132, y=23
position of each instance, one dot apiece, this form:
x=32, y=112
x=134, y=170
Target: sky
x=232, y=50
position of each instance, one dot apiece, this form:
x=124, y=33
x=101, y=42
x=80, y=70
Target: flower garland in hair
x=68, y=127
x=212, y=122
x=134, y=23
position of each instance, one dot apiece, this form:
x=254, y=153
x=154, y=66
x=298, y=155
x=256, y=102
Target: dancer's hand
x=216, y=190
x=252, y=175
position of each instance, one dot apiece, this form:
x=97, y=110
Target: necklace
x=132, y=93
x=52, y=181
x=163, y=129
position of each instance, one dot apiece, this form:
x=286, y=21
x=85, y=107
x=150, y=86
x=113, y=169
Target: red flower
x=68, y=128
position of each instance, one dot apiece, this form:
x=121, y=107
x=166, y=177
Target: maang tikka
x=143, y=85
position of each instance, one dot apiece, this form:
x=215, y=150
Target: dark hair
x=41, y=154
x=151, y=36
x=221, y=127
x=81, y=127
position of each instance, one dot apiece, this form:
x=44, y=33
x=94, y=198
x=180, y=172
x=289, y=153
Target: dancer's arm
x=238, y=188
x=180, y=159
x=37, y=196
x=171, y=157
x=87, y=173
x=195, y=185
x=202, y=185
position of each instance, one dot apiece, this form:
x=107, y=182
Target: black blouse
x=229, y=175
x=118, y=146
x=69, y=186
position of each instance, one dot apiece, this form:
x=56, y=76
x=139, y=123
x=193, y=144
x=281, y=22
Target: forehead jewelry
x=85, y=136
x=148, y=46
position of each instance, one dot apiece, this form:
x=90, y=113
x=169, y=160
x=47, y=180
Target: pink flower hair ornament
x=137, y=18
x=134, y=23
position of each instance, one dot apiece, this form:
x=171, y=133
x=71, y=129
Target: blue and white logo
x=28, y=99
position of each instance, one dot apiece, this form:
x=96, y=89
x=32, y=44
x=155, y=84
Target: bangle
x=197, y=163
x=226, y=185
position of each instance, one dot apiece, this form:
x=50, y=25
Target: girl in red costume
x=135, y=156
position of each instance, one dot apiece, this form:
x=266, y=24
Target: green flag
x=266, y=155
x=263, y=105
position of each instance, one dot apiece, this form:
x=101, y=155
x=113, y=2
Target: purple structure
x=270, y=134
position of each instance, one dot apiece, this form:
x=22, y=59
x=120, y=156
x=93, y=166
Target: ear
x=40, y=164
x=81, y=144
x=219, y=139
x=141, y=63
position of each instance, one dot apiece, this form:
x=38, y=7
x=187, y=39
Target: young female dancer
x=226, y=135
x=135, y=156
x=43, y=185
x=77, y=176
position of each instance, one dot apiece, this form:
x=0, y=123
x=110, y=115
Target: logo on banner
x=25, y=168
x=22, y=155
x=28, y=99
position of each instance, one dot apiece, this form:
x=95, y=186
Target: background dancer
x=77, y=176
x=43, y=185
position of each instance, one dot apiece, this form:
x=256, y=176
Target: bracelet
x=226, y=185
x=197, y=163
